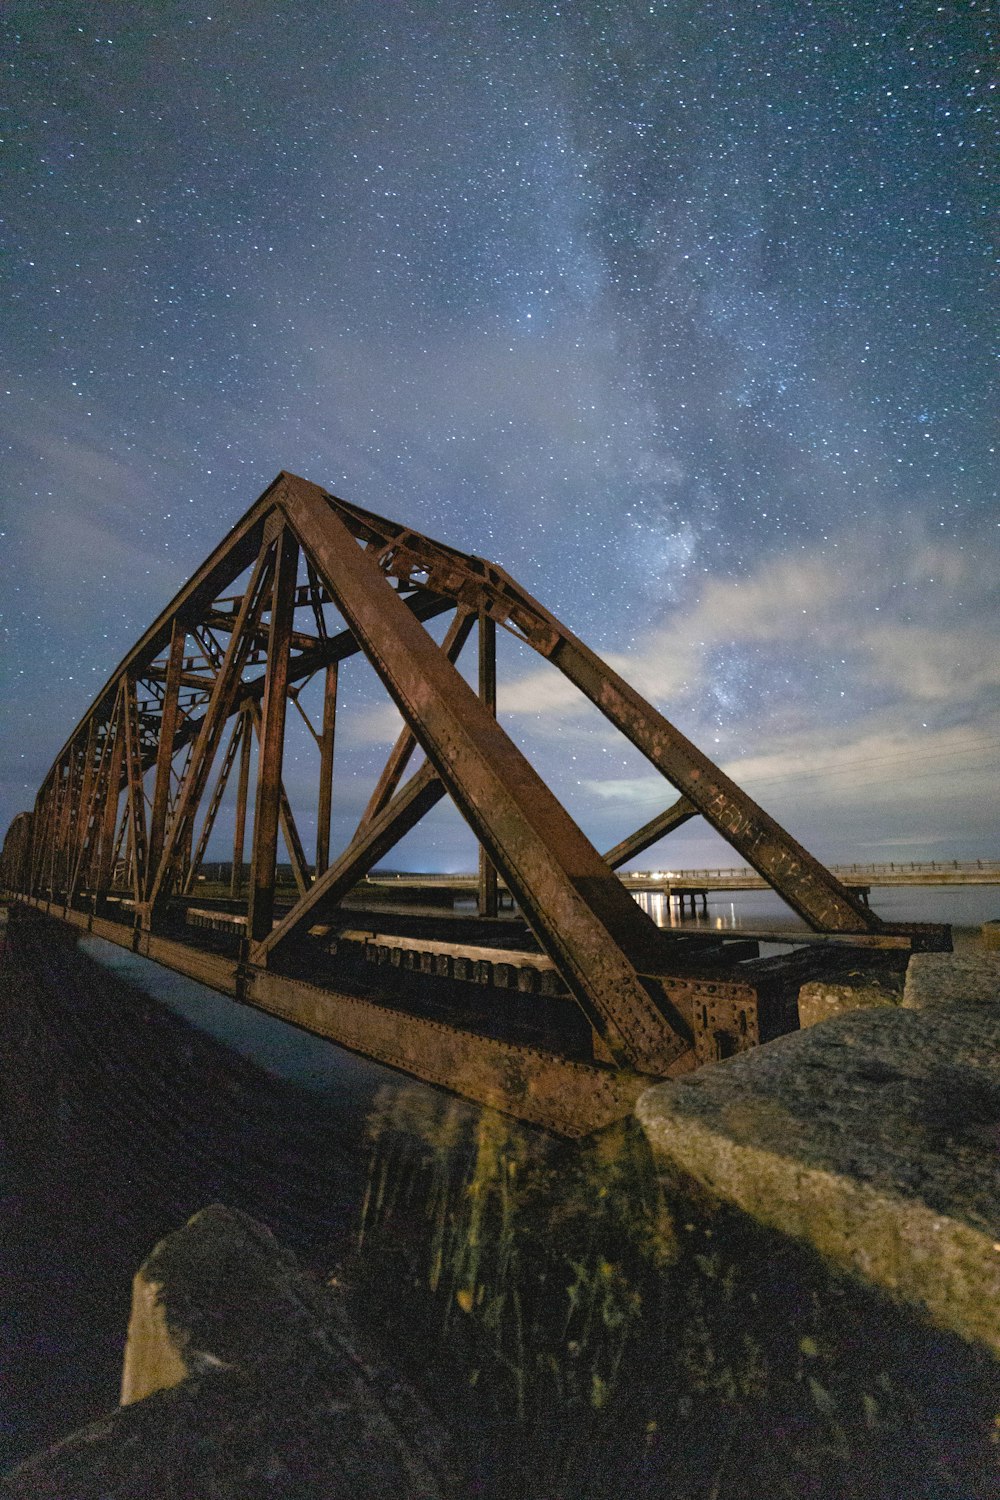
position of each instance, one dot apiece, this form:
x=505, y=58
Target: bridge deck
x=470, y=1003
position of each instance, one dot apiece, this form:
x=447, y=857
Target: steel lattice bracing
x=123, y=820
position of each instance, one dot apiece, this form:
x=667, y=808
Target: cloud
x=90, y=531
x=841, y=607
x=934, y=664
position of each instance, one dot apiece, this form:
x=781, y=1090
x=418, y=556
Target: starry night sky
x=680, y=311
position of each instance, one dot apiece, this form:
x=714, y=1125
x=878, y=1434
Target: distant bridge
x=559, y=1014
x=929, y=872
x=743, y=878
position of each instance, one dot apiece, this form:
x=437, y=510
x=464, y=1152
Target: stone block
x=819, y=1000
x=949, y=978
x=240, y=1382
x=872, y=1137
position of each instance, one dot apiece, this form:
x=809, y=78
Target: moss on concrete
x=874, y=1137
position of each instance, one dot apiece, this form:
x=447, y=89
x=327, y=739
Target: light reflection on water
x=965, y=908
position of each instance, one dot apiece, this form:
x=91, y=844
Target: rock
x=991, y=934
x=819, y=1000
x=944, y=978
x=239, y=1382
x=873, y=1137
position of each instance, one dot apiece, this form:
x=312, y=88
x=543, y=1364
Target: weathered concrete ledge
x=874, y=1136
x=240, y=1381
x=952, y=978
x=820, y=998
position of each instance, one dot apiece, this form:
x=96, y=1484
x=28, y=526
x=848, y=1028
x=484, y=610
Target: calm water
x=583, y=1328
x=966, y=908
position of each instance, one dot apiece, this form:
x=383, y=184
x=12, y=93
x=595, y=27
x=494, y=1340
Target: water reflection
x=721, y=913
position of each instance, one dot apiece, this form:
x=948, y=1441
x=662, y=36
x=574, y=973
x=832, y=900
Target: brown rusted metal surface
x=240, y=819
x=675, y=816
x=236, y=646
x=286, y=818
x=800, y=879
x=570, y=1097
x=169, y=722
x=579, y=911
x=488, y=896
x=327, y=740
x=263, y=861
x=137, y=843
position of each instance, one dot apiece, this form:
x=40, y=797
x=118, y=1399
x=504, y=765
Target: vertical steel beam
x=263, y=858
x=39, y=822
x=72, y=816
x=177, y=843
x=228, y=761
x=109, y=821
x=242, y=787
x=286, y=819
x=91, y=775
x=91, y=854
x=123, y=842
x=326, y=748
x=169, y=720
x=488, y=696
x=45, y=809
x=62, y=823
x=136, y=796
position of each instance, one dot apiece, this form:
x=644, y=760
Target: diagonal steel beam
x=327, y=741
x=370, y=844
x=169, y=722
x=224, y=692
x=488, y=895
x=678, y=813
x=583, y=917
x=90, y=801
x=808, y=887
x=239, y=829
x=267, y=816
x=455, y=638
x=222, y=781
x=286, y=818
x=109, y=818
x=134, y=788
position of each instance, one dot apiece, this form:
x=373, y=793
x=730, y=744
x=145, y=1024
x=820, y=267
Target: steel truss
x=114, y=825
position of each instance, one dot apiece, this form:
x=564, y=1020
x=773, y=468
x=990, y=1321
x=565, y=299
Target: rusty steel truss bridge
x=559, y=1011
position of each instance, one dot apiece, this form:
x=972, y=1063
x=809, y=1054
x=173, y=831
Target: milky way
x=679, y=311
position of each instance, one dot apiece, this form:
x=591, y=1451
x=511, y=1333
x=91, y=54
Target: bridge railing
x=916, y=867
x=732, y=872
